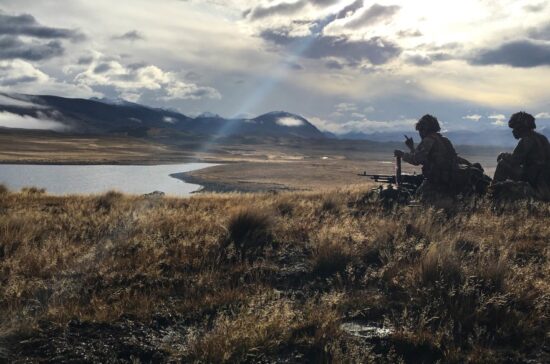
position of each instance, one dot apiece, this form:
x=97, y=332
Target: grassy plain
x=289, y=277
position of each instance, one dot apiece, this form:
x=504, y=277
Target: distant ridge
x=106, y=116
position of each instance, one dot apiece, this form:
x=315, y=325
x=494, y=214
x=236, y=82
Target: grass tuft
x=249, y=230
x=108, y=200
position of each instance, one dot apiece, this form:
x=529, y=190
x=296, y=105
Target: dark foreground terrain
x=287, y=277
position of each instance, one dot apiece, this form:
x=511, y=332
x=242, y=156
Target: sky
x=345, y=65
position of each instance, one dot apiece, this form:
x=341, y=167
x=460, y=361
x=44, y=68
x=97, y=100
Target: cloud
x=102, y=68
x=260, y=12
x=21, y=76
x=293, y=65
x=535, y=8
x=520, y=53
x=13, y=48
x=409, y=33
x=22, y=37
x=473, y=117
x=283, y=8
x=345, y=107
x=10, y=120
x=134, y=79
x=18, y=101
x=350, y=9
x=27, y=25
x=131, y=36
x=372, y=16
x=498, y=119
x=542, y=33
x=292, y=122
x=363, y=125
x=419, y=60
x=333, y=64
x=376, y=50
x=17, y=72
x=543, y=115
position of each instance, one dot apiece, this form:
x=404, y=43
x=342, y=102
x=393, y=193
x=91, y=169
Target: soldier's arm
x=420, y=155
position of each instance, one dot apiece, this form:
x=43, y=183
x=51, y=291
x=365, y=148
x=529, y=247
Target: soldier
x=530, y=160
x=438, y=158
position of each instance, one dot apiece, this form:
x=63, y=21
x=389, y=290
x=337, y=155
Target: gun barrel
x=380, y=177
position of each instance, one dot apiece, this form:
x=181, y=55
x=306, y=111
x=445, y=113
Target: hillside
x=290, y=277
x=101, y=116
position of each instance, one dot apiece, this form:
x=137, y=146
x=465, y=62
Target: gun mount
x=400, y=188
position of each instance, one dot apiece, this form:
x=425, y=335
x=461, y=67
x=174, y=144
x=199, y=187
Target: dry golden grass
x=164, y=276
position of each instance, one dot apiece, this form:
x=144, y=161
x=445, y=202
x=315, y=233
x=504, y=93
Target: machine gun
x=405, y=185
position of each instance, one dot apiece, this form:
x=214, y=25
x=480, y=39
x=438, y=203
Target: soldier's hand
x=409, y=142
x=503, y=156
x=398, y=153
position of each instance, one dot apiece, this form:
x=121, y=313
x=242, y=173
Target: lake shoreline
x=78, y=179
x=208, y=186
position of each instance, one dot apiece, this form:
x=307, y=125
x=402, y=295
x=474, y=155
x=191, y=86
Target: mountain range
x=103, y=116
x=120, y=117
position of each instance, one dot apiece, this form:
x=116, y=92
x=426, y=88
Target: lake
x=95, y=179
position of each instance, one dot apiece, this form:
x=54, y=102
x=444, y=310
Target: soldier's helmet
x=522, y=120
x=428, y=124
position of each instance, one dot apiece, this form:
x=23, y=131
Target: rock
x=366, y=331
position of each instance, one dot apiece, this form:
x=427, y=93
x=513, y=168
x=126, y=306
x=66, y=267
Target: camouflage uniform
x=446, y=174
x=439, y=163
x=530, y=162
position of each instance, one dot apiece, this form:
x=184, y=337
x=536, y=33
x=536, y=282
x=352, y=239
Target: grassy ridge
x=270, y=277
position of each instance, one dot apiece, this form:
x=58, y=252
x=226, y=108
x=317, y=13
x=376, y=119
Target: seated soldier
x=530, y=160
x=438, y=159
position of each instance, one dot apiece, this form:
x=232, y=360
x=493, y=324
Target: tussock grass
x=249, y=230
x=467, y=285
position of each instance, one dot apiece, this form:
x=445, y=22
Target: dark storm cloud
x=520, y=53
x=27, y=25
x=131, y=36
x=542, y=33
x=376, y=50
x=12, y=47
x=374, y=15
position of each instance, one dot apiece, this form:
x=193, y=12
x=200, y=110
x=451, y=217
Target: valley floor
x=290, y=277
x=245, y=165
